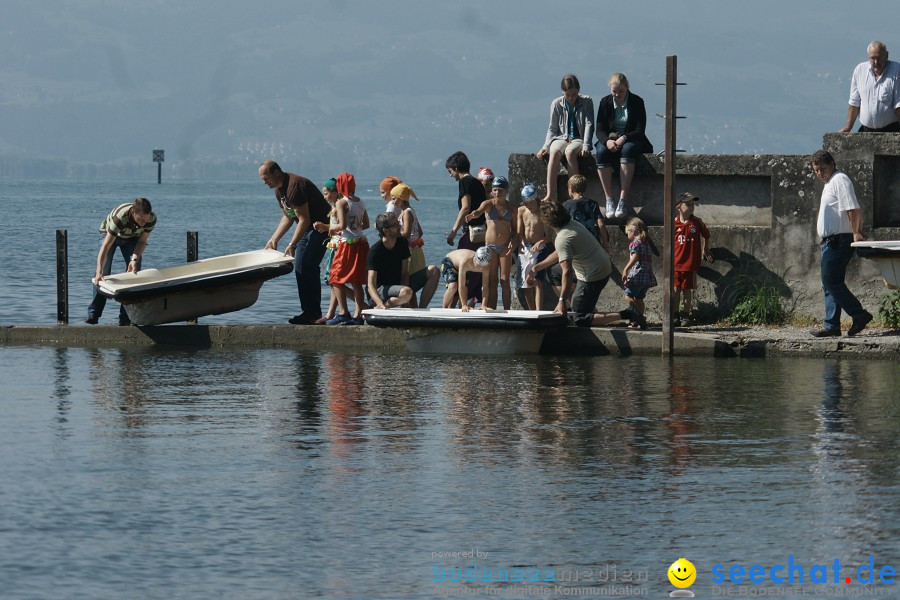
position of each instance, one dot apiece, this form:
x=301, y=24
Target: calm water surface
x=277, y=474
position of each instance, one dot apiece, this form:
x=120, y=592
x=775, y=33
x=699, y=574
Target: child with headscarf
x=387, y=184
x=409, y=228
x=349, y=264
x=329, y=190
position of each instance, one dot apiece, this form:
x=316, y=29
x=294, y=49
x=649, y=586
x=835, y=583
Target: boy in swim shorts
x=456, y=265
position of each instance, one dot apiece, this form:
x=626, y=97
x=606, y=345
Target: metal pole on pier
x=62, y=276
x=159, y=157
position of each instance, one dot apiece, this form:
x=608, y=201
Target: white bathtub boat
x=452, y=331
x=886, y=255
x=210, y=286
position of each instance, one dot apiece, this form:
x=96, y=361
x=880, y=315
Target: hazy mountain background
x=89, y=87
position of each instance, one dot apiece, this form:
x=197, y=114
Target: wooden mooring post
x=62, y=276
x=668, y=255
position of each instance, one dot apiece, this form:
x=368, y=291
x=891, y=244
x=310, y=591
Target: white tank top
x=353, y=220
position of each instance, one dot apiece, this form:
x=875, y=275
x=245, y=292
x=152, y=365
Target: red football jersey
x=688, y=247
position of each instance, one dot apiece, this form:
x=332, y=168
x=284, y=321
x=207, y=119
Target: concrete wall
x=761, y=210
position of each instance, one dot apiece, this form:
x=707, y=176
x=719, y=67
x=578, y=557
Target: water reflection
x=119, y=380
x=238, y=461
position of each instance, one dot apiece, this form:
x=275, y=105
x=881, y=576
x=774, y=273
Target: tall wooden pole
x=668, y=336
x=62, y=276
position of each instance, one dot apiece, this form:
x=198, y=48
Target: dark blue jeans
x=836, y=255
x=307, y=260
x=126, y=246
x=628, y=154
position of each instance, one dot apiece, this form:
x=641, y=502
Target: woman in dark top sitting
x=621, y=120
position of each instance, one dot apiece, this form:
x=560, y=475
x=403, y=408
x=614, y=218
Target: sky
x=396, y=86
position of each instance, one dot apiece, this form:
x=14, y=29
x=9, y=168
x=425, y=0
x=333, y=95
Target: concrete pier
x=602, y=341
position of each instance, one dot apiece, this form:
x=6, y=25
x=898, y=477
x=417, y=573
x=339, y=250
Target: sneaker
x=860, y=323
x=354, y=321
x=91, y=320
x=620, y=209
x=610, y=208
x=827, y=333
x=339, y=320
x=303, y=319
x=632, y=316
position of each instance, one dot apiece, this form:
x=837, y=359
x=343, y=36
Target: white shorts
x=527, y=260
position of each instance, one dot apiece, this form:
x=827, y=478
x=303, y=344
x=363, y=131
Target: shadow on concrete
x=746, y=273
x=574, y=341
x=178, y=335
x=620, y=337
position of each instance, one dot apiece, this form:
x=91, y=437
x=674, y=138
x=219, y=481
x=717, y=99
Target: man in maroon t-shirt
x=302, y=203
x=691, y=245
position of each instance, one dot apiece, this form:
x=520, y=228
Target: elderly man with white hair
x=875, y=93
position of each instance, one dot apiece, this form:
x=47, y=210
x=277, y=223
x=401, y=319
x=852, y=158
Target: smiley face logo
x=682, y=573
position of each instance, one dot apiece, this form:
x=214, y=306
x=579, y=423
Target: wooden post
x=193, y=254
x=668, y=336
x=193, y=245
x=62, y=276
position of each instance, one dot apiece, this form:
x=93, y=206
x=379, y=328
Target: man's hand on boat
x=560, y=307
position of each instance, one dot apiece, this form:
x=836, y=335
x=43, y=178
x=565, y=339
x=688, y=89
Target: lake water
x=229, y=216
x=155, y=473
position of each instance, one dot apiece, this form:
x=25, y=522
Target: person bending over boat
x=583, y=259
x=302, y=203
x=389, y=282
x=500, y=239
x=127, y=228
x=455, y=266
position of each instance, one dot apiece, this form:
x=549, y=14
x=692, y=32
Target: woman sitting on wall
x=570, y=132
x=621, y=121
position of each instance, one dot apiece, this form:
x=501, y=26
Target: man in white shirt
x=875, y=93
x=839, y=224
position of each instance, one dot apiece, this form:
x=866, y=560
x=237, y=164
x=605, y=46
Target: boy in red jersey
x=691, y=245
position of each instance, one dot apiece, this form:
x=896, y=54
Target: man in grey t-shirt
x=583, y=259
